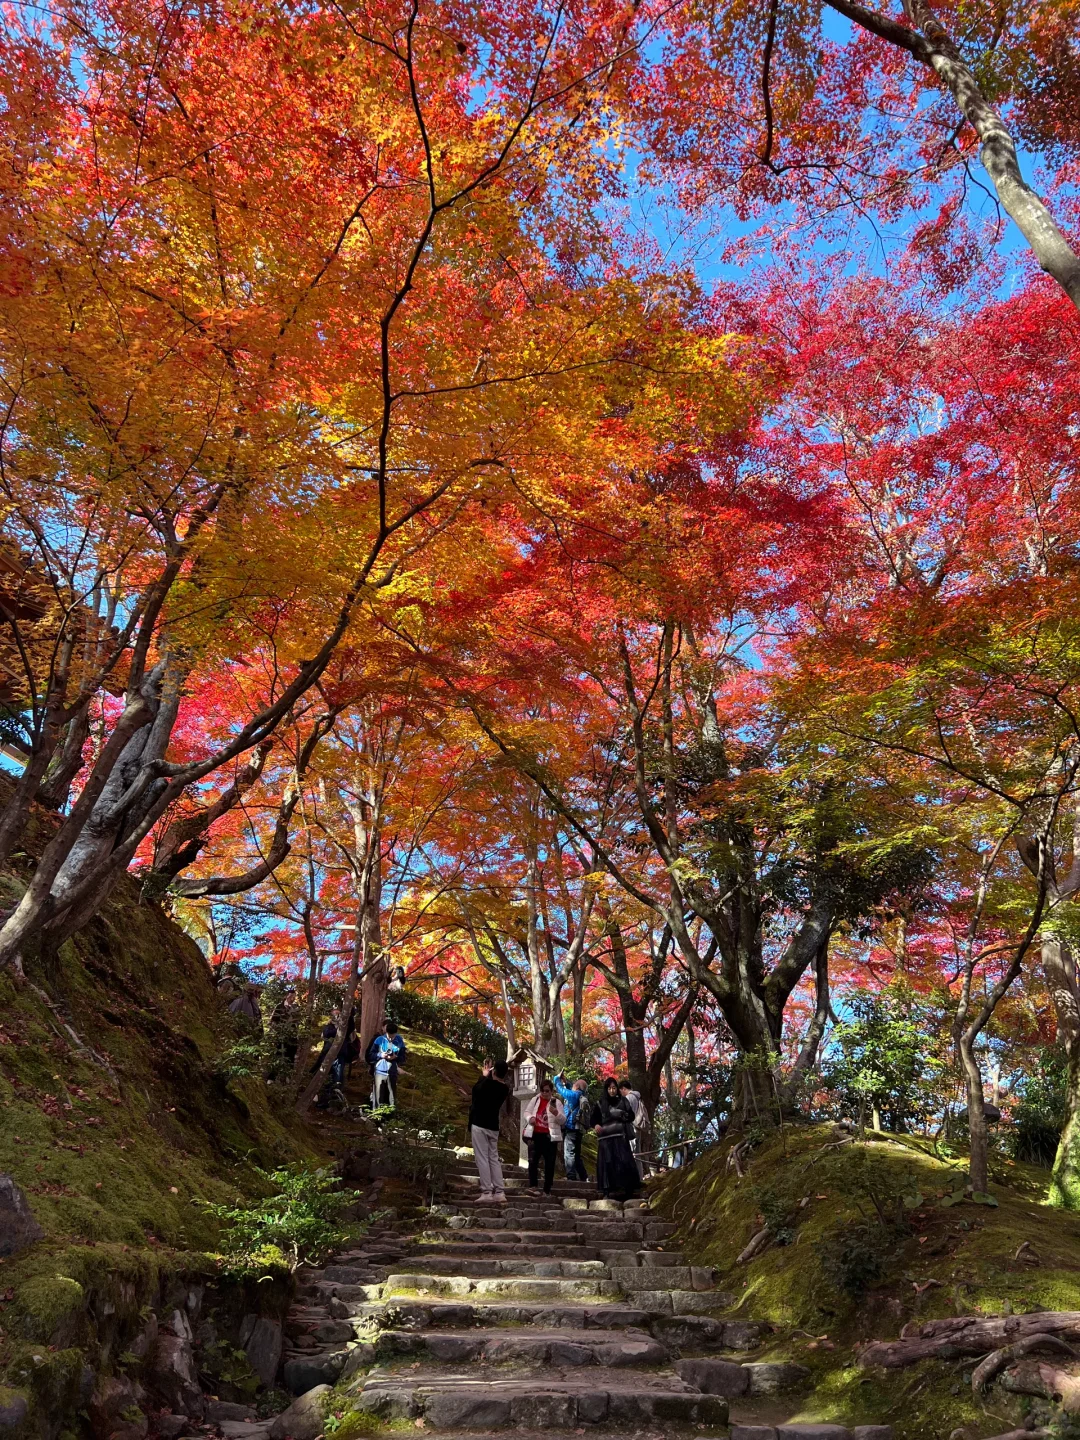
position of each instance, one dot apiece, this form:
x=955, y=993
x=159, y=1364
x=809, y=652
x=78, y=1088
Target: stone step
x=656, y=1277
x=473, y=1266
x=730, y=1378
x=407, y=1314
x=447, y=1401
x=495, y=1287
x=533, y=1346
x=541, y=1247
x=802, y=1430
x=579, y=1189
x=569, y=1237
x=607, y=1207
x=630, y=1273
x=684, y=1331
x=491, y=1217
x=523, y=1205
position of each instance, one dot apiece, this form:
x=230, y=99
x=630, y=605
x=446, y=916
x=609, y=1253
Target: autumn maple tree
x=412, y=556
x=237, y=402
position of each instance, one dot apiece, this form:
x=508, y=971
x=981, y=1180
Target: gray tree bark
x=930, y=43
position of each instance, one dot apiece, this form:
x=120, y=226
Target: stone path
x=550, y=1315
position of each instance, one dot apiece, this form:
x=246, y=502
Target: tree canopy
x=575, y=501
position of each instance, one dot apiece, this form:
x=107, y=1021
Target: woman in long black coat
x=612, y=1118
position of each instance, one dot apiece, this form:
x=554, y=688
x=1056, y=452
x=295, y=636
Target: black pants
x=542, y=1147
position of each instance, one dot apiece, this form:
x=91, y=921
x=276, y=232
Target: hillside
x=868, y=1238
x=123, y=1112
x=118, y=1118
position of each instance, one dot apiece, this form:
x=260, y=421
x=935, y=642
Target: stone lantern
x=528, y=1072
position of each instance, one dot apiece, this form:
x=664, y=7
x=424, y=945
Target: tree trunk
x=754, y=1098
x=373, y=991
x=979, y=1164
x=313, y=963
x=508, y=1017
x=936, y=49
x=1059, y=966
x=558, y=1031
x=64, y=766
x=538, y=989
x=376, y=981
x=577, y=1040
x=315, y=1084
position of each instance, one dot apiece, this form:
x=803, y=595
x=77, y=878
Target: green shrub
x=298, y=1223
x=1040, y=1115
x=853, y=1260
x=419, y=1143
x=778, y=1204
x=244, y=1058
x=882, y=1062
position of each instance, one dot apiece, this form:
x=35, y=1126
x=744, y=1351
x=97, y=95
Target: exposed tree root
x=968, y=1335
x=996, y=1361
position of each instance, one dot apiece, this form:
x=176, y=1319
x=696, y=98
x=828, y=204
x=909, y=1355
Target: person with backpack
x=385, y=1053
x=400, y=1054
x=489, y=1095
x=575, y=1098
x=641, y=1118
x=342, y=1060
x=247, y=1007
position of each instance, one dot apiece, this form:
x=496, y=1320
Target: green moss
x=113, y=1145
x=436, y=1077
x=351, y=1425
x=51, y=1378
x=937, y=1262
x=50, y=1308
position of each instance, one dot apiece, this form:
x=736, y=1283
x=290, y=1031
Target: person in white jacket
x=542, y=1122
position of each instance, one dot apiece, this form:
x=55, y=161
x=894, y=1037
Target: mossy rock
x=353, y=1424
x=57, y=1381
x=51, y=1309
x=14, y=1411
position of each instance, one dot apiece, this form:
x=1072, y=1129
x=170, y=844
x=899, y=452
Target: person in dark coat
x=489, y=1095
x=612, y=1119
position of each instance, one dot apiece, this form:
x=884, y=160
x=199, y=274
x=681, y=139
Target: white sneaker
x=499, y=1198
x=485, y=1197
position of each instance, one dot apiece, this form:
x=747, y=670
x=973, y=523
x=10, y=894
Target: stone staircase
x=544, y=1314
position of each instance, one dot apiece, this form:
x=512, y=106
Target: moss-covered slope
x=863, y=1245
x=115, y=1120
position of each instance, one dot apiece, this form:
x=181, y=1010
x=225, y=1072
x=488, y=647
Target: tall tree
x=227, y=348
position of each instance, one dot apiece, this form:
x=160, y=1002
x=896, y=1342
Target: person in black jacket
x=612, y=1118
x=489, y=1095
